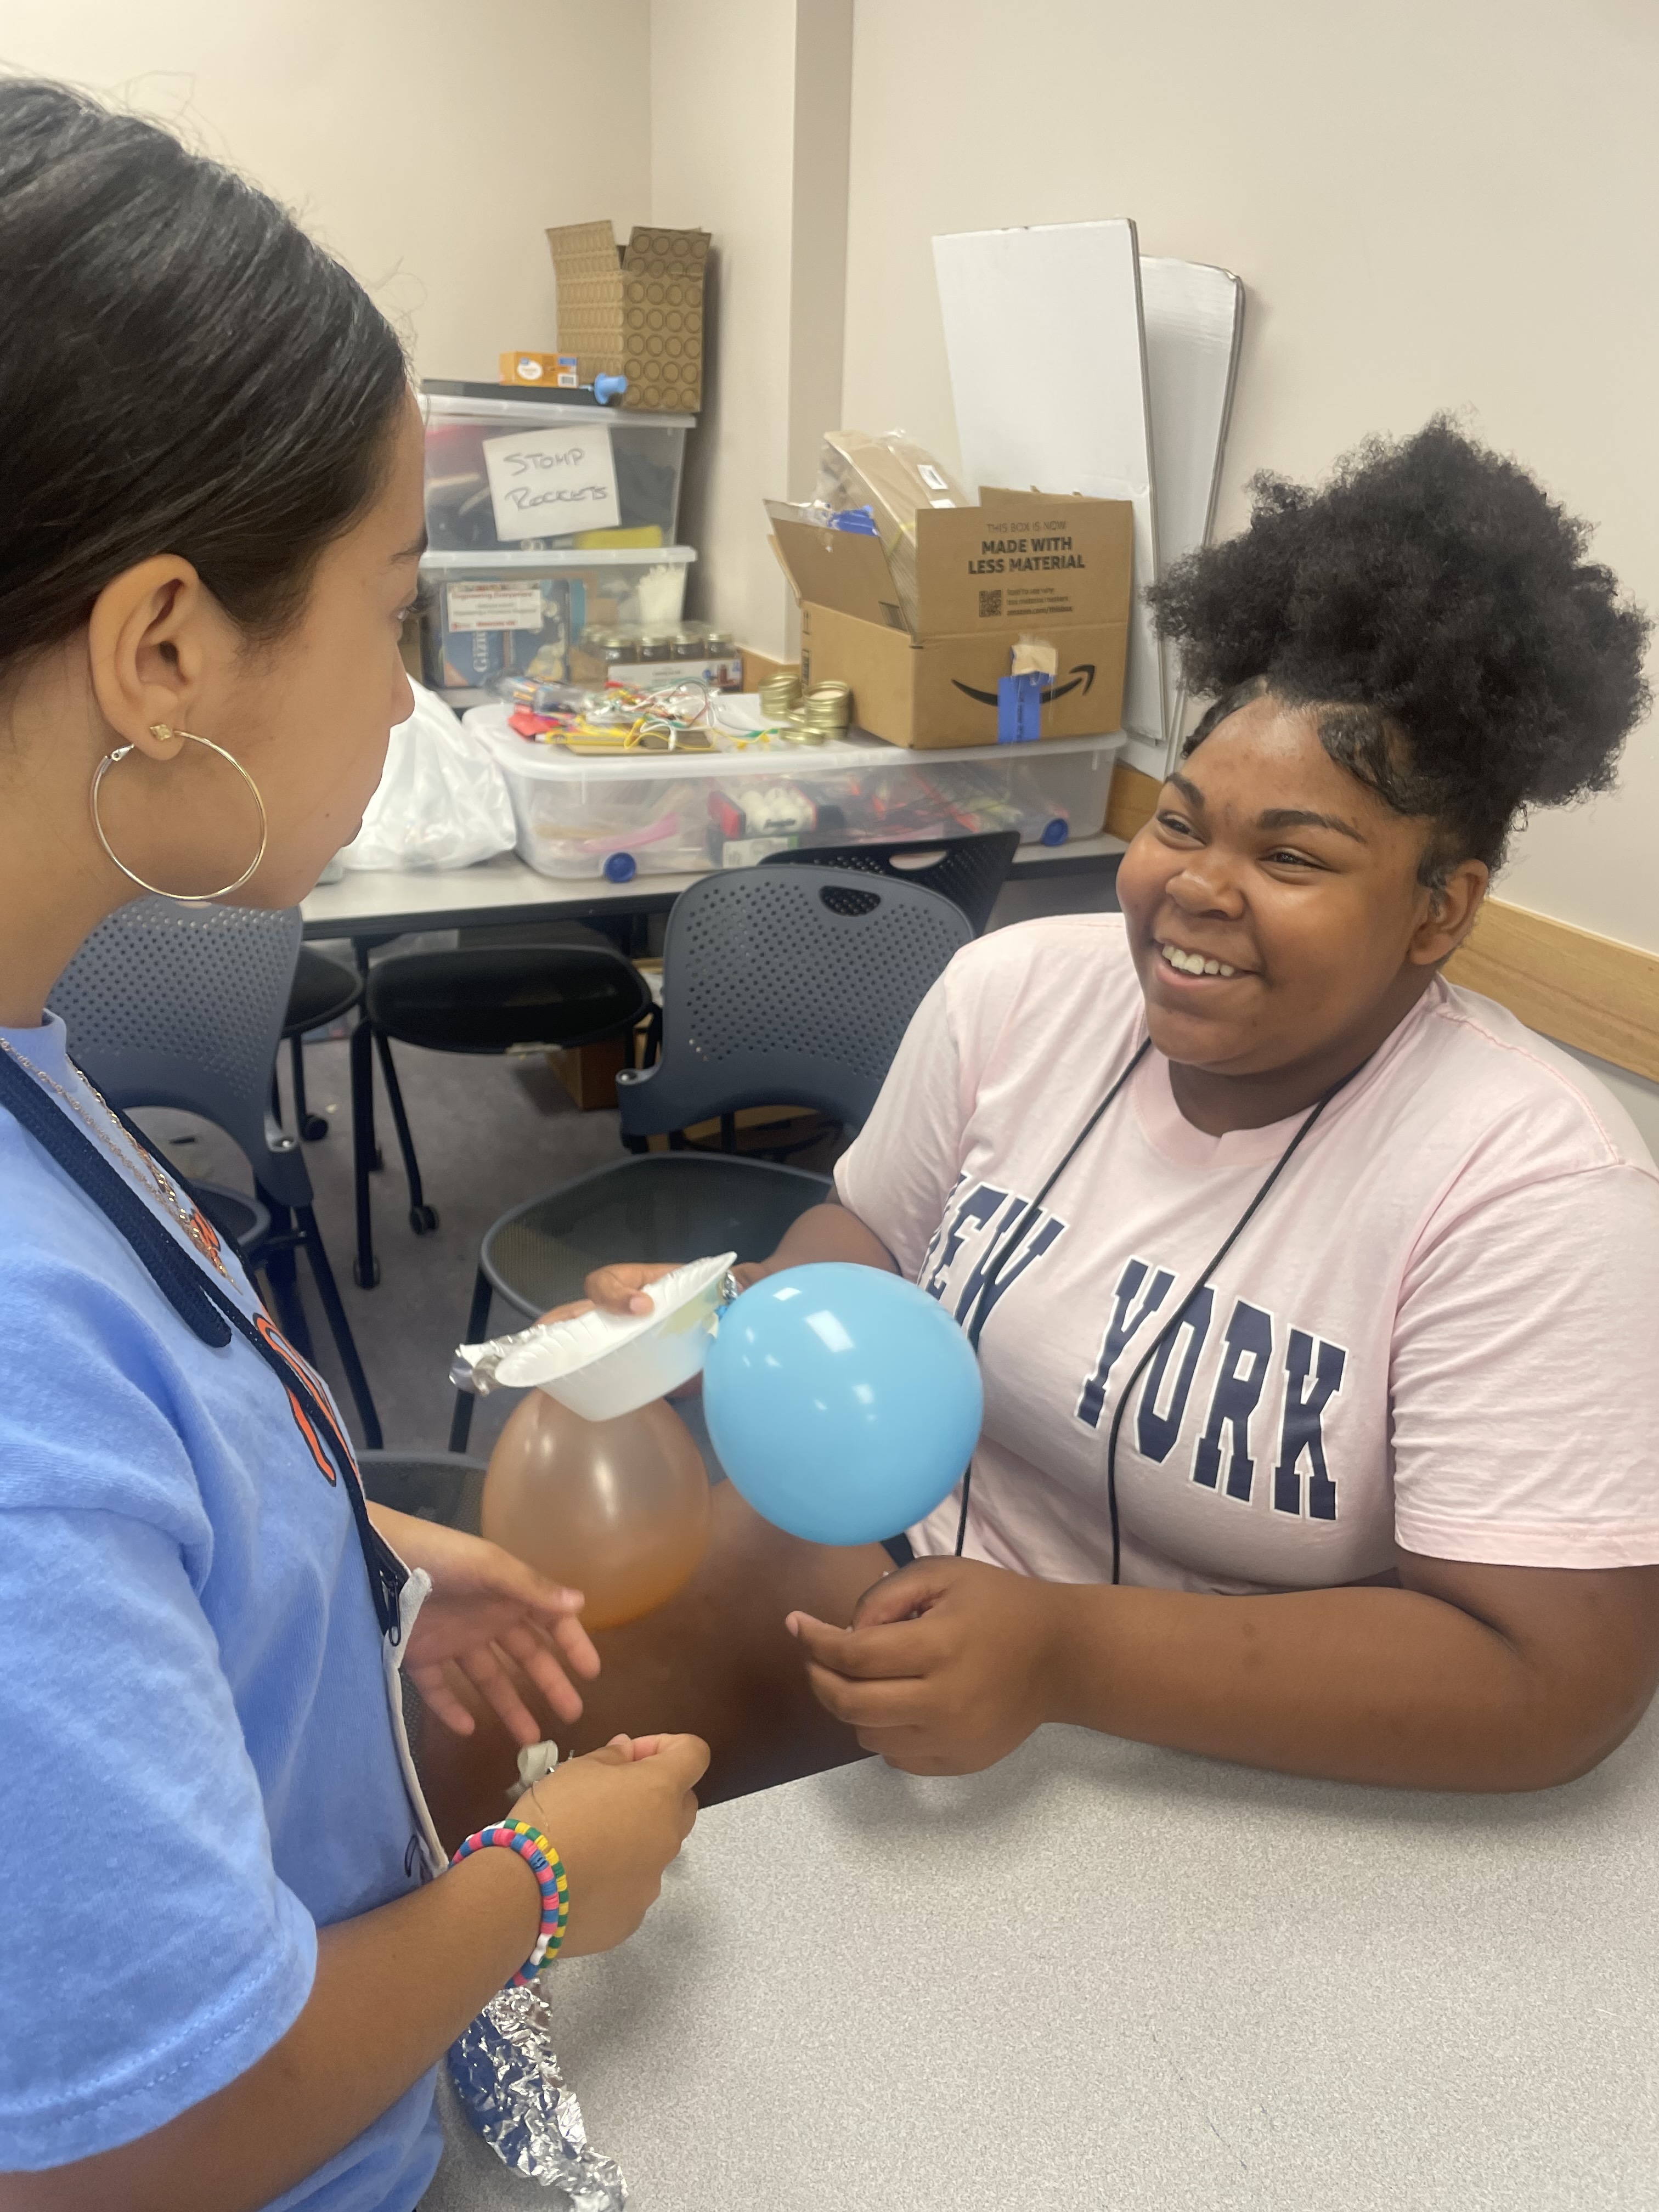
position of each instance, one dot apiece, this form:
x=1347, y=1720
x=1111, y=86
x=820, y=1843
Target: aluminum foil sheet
x=511, y=2088
x=474, y=1365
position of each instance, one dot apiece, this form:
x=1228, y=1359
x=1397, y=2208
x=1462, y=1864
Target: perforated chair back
x=968, y=870
x=183, y=1006
x=787, y=987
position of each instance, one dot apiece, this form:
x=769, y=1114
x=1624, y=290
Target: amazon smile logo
x=1082, y=672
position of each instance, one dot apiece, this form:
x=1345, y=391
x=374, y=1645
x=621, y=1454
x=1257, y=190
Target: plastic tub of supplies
x=559, y=470
x=617, y=816
x=488, y=615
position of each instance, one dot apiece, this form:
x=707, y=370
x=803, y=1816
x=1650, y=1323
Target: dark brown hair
x=182, y=370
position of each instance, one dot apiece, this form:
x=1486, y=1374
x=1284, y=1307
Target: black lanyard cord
x=207, y=1309
x=1003, y=1252
x=1170, y=1327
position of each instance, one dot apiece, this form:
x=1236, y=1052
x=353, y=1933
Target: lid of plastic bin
x=437, y=562
x=443, y=401
x=794, y=763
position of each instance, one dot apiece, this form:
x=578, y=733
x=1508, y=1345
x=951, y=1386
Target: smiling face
x=1276, y=918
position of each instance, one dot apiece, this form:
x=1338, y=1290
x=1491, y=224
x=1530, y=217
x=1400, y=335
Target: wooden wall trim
x=1130, y=802
x=1590, y=992
x=1593, y=993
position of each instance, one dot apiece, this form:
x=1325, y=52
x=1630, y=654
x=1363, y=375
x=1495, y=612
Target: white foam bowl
x=603, y=1365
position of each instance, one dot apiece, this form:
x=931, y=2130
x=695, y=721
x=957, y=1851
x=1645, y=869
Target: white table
x=1106, y=1976
x=391, y=901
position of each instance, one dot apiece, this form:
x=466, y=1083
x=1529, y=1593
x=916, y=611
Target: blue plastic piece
x=1019, y=707
x=860, y=521
x=1056, y=832
x=621, y=868
x=844, y=1403
x=605, y=389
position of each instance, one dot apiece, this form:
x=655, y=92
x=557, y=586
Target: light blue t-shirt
x=197, y=1762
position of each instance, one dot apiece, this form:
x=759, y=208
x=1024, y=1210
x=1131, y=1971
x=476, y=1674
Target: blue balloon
x=844, y=1403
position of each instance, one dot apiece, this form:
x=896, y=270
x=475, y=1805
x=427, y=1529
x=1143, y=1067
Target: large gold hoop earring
x=181, y=898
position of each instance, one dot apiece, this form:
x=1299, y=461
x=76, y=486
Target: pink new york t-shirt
x=1441, y=1331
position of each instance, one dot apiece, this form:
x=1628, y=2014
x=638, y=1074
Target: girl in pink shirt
x=1322, y=1410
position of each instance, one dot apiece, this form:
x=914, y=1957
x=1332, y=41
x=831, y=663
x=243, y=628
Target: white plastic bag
x=442, y=802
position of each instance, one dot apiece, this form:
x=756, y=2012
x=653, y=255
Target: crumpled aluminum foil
x=474, y=1365
x=511, y=2088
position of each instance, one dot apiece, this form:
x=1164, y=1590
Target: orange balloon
x=617, y=1509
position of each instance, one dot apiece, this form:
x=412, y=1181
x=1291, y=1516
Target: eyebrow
x=1300, y=818
x=413, y=550
x=1275, y=817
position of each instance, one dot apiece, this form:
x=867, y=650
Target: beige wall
x=722, y=131
x=1432, y=203
x=750, y=106
x=430, y=146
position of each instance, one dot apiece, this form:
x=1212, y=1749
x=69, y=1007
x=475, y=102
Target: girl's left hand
x=486, y=1608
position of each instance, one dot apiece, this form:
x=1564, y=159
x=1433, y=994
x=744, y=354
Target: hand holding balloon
x=949, y=1664
x=844, y=1403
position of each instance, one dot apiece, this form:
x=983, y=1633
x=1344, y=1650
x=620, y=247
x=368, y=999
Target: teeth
x=1194, y=964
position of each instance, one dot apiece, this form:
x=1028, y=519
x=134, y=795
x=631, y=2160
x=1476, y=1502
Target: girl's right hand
x=616, y=1817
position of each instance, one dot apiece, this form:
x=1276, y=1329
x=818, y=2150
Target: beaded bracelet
x=550, y=1879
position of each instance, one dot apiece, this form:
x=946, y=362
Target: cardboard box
x=556, y=370
x=589, y=1071
x=1020, y=564
x=637, y=314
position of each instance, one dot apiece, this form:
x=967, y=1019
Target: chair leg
x=365, y=1268
x=339, y=1327
x=460, y=1422
x=280, y=1272
x=312, y=1126
x=422, y=1218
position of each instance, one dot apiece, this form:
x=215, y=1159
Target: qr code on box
x=990, y=604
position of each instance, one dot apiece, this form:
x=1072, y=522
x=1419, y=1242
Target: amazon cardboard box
x=1049, y=575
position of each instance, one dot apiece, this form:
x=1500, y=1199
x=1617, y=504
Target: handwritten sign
x=550, y=484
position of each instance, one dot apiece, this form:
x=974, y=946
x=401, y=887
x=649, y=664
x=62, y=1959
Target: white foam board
x=1194, y=316
x=1042, y=328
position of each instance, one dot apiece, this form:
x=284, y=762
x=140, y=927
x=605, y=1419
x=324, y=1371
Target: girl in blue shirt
x=228, y=1970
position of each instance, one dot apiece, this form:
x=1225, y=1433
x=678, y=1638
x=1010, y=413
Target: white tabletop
x=1102, y=1975
x=367, y=901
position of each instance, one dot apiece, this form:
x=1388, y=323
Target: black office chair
x=968, y=870
x=781, y=986
x=183, y=1006
x=482, y=998
x=322, y=993
x=432, y=1486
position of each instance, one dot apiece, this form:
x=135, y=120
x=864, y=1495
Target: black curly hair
x=1436, y=607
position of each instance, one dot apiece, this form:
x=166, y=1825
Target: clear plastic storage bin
x=647, y=454
x=484, y=615
x=618, y=815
